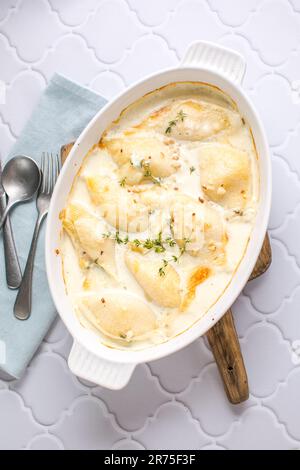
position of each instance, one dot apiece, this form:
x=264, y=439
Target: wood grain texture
x=64, y=151
x=222, y=337
x=225, y=345
x=264, y=260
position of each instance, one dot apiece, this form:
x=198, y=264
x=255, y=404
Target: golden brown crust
x=198, y=276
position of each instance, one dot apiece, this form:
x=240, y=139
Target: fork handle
x=22, y=307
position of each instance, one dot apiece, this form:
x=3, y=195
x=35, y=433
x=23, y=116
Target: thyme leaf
x=122, y=182
x=116, y=236
x=162, y=269
x=148, y=173
x=179, y=118
x=174, y=258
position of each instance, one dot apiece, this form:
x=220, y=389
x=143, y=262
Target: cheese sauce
x=185, y=145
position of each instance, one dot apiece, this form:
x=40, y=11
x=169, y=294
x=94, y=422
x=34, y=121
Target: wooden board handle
x=225, y=346
x=64, y=151
x=264, y=260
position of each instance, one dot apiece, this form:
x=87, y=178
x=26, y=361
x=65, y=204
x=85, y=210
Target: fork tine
x=50, y=173
x=50, y=176
x=50, y=167
x=53, y=159
x=58, y=166
x=43, y=172
x=47, y=172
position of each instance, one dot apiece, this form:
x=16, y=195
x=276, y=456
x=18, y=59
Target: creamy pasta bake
x=159, y=215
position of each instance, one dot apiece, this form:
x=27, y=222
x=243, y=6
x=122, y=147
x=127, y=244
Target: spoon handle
x=12, y=267
x=4, y=215
x=22, y=307
x=6, y=211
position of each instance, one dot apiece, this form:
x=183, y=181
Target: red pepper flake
x=200, y=200
x=57, y=251
x=103, y=300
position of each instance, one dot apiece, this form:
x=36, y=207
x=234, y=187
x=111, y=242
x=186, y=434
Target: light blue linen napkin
x=61, y=114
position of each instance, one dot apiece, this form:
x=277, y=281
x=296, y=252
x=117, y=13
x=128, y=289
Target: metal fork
x=50, y=167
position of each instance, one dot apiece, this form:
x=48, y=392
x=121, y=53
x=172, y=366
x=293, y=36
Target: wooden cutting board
x=222, y=337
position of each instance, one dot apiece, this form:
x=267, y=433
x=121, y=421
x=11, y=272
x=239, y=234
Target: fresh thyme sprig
x=182, y=250
x=122, y=182
x=120, y=240
x=170, y=125
x=192, y=169
x=157, y=244
x=106, y=235
x=116, y=236
x=148, y=173
x=171, y=242
x=162, y=269
x=179, y=118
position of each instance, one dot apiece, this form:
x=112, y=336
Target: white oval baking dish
x=89, y=358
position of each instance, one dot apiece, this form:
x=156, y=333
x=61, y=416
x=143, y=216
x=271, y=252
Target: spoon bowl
x=21, y=179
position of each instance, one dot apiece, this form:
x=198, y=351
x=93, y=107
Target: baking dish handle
x=216, y=58
x=108, y=374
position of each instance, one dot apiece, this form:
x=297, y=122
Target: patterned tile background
x=176, y=402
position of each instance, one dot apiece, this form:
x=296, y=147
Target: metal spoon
x=21, y=179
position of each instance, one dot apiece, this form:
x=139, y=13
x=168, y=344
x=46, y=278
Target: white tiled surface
x=176, y=402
